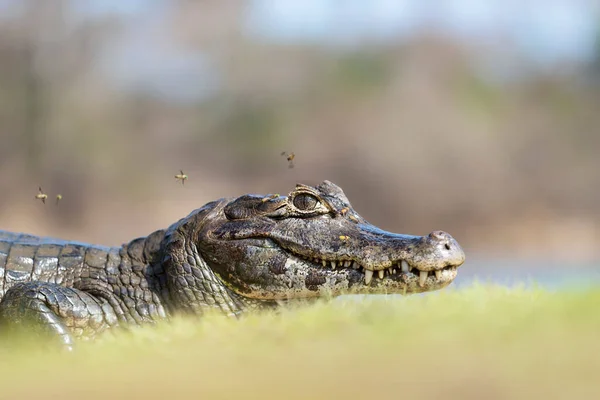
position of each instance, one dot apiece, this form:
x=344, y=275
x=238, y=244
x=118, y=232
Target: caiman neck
x=184, y=281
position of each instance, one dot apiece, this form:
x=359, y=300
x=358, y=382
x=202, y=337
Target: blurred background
x=480, y=118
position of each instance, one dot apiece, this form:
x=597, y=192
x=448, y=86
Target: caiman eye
x=305, y=202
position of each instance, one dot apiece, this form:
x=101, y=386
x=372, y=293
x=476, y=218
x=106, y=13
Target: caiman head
x=309, y=243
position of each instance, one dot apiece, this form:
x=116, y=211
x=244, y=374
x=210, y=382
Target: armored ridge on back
x=232, y=255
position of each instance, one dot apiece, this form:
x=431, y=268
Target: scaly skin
x=232, y=255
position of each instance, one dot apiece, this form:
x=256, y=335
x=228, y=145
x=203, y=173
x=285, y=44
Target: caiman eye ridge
x=398, y=267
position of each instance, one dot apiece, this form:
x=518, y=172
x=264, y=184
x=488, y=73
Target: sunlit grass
x=481, y=342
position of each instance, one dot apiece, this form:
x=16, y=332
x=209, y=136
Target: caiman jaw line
x=397, y=267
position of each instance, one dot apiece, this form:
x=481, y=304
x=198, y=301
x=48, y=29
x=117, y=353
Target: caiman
x=232, y=255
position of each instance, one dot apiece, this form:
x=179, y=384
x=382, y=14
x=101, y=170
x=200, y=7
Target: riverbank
x=477, y=342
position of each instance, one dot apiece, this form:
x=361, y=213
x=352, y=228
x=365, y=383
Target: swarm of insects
x=181, y=177
x=43, y=196
x=290, y=157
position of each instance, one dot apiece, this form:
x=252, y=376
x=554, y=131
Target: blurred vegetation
x=483, y=342
x=418, y=136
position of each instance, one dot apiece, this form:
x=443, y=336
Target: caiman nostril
x=447, y=246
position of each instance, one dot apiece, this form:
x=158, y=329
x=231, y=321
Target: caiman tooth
x=333, y=265
x=404, y=266
x=324, y=263
x=368, y=276
x=422, y=278
x=438, y=274
x=347, y=263
x=394, y=271
x=381, y=274
x=355, y=265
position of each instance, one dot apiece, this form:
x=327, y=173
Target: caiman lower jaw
x=397, y=268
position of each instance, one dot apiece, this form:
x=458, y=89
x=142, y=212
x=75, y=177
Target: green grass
x=481, y=342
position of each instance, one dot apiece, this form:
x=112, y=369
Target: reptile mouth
x=397, y=268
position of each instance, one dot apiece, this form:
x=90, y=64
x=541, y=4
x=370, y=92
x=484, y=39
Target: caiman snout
x=447, y=248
